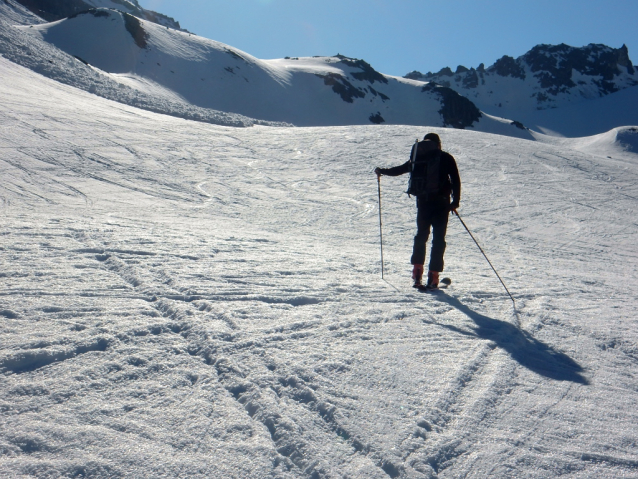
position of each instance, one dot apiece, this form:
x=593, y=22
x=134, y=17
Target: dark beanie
x=432, y=137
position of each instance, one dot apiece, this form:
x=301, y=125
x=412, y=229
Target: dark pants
x=431, y=214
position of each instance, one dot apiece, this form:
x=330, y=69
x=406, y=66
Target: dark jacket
x=448, y=170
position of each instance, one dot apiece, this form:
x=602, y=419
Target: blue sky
x=398, y=36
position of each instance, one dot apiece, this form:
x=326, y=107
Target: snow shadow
x=520, y=345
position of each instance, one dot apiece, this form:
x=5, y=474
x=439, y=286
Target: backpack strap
x=412, y=162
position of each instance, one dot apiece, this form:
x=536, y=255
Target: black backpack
x=425, y=173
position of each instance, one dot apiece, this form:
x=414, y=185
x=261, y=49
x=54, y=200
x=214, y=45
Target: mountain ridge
x=317, y=91
x=545, y=77
x=53, y=10
x=166, y=68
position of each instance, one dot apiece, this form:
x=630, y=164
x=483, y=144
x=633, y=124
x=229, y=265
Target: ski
x=443, y=284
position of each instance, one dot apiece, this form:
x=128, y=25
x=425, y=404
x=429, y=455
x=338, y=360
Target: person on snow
x=436, y=183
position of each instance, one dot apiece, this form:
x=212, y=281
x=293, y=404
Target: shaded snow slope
x=180, y=299
x=14, y=12
x=617, y=143
x=317, y=91
x=53, y=10
x=587, y=118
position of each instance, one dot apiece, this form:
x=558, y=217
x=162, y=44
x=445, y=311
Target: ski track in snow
x=188, y=300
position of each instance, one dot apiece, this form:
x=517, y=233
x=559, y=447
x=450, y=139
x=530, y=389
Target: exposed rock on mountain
x=52, y=10
x=456, y=110
x=342, y=87
x=367, y=73
x=547, y=76
x=346, y=90
x=507, y=66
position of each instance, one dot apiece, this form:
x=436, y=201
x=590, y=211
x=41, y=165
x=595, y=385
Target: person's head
x=433, y=137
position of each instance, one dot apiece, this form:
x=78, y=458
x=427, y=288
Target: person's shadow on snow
x=521, y=346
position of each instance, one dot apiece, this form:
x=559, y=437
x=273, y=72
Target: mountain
x=52, y=10
x=547, y=77
x=48, y=60
x=179, y=68
x=127, y=54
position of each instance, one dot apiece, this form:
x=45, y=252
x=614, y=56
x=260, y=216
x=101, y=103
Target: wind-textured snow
x=180, y=299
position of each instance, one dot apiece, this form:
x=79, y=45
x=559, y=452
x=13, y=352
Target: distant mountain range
x=546, y=77
x=118, y=50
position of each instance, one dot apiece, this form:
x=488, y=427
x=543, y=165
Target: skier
x=434, y=177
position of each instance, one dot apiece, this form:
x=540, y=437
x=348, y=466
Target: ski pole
x=488, y=260
x=380, y=224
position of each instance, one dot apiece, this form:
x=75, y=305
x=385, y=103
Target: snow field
x=181, y=299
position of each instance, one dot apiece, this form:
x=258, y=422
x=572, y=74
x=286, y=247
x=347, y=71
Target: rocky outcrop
x=52, y=10
x=456, y=110
x=366, y=73
x=342, y=87
x=507, y=66
x=547, y=76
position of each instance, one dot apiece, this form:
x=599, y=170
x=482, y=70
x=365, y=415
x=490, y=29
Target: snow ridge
x=45, y=59
x=53, y=11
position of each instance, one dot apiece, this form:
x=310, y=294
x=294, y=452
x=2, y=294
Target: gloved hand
x=377, y=171
x=454, y=206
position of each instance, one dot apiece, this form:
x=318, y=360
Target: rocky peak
x=507, y=66
x=551, y=74
x=553, y=65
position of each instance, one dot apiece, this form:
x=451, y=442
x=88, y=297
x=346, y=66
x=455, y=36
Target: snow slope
x=41, y=57
x=181, y=299
x=587, y=118
x=13, y=12
x=52, y=10
x=618, y=143
x=317, y=91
